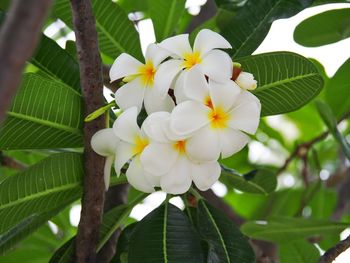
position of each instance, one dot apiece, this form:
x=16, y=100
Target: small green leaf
x=44, y=114
x=332, y=26
x=165, y=235
x=330, y=121
x=165, y=16
x=299, y=251
x=261, y=181
x=287, y=229
x=225, y=242
x=286, y=81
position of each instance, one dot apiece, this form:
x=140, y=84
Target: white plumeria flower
x=139, y=88
x=132, y=143
x=246, y=81
x=105, y=143
x=214, y=63
x=217, y=117
x=166, y=157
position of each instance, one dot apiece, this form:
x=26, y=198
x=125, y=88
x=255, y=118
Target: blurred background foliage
x=297, y=166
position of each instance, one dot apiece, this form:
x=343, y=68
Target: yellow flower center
x=218, y=118
x=191, y=59
x=140, y=144
x=180, y=146
x=147, y=73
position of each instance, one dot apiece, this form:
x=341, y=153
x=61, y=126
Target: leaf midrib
x=165, y=232
x=45, y=122
x=111, y=38
x=170, y=17
x=280, y=82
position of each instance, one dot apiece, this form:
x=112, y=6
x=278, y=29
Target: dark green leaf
x=286, y=81
x=259, y=181
x=300, y=251
x=329, y=119
x=332, y=26
x=165, y=235
x=165, y=16
x=225, y=242
x=123, y=243
x=116, y=33
x=286, y=229
x=44, y=114
x=249, y=27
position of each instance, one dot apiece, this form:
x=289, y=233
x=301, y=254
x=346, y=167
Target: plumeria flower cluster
x=199, y=110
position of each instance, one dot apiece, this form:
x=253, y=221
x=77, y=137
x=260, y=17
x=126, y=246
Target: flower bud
x=246, y=81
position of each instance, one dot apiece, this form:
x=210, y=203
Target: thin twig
x=18, y=37
x=332, y=253
x=92, y=91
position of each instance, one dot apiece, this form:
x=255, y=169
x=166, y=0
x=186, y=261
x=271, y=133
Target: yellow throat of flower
x=147, y=72
x=218, y=118
x=140, y=144
x=191, y=59
x=180, y=146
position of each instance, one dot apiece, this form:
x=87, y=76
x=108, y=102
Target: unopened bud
x=246, y=81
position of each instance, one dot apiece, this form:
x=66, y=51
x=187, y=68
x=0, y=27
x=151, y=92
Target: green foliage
x=299, y=251
x=286, y=81
x=44, y=114
x=116, y=33
x=246, y=30
x=165, y=235
x=332, y=26
x=225, y=242
x=287, y=229
x=165, y=16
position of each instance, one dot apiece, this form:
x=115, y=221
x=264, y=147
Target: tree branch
x=8, y=162
x=18, y=37
x=332, y=253
x=92, y=91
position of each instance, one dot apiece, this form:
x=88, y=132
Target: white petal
x=155, y=124
x=130, y=94
x=204, y=145
x=137, y=178
x=246, y=81
x=154, y=102
x=179, y=91
x=104, y=142
x=178, y=180
x=224, y=95
x=245, y=115
x=204, y=175
x=232, y=141
x=158, y=158
x=125, y=127
x=166, y=74
x=188, y=117
x=156, y=54
x=107, y=171
x=196, y=86
x=217, y=65
x=207, y=40
x=152, y=179
x=178, y=45
x=124, y=65
x=123, y=154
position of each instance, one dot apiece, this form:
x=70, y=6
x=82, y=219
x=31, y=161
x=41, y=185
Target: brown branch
x=92, y=91
x=302, y=149
x=18, y=37
x=332, y=253
x=8, y=162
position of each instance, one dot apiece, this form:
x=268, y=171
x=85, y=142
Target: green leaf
x=332, y=26
x=165, y=16
x=261, y=181
x=123, y=243
x=286, y=229
x=31, y=197
x=165, y=235
x=56, y=63
x=300, y=251
x=112, y=220
x=286, y=81
x=225, y=242
x=44, y=114
x=249, y=27
x=116, y=33
x=337, y=90
x=329, y=119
